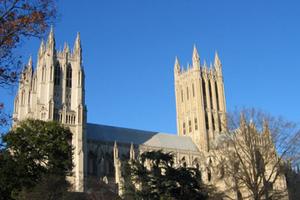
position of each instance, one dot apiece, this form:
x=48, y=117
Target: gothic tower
x=55, y=91
x=200, y=100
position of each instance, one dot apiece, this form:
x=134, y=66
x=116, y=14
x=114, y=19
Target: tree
x=34, y=150
x=293, y=181
x=20, y=19
x=253, y=153
x=154, y=176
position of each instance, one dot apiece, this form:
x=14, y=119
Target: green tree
x=33, y=151
x=154, y=176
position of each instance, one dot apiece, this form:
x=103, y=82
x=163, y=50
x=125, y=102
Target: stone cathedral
x=55, y=90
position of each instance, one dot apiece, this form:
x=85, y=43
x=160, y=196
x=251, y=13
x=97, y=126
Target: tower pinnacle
x=30, y=62
x=77, y=45
x=176, y=66
x=196, y=58
x=42, y=48
x=217, y=63
x=51, y=39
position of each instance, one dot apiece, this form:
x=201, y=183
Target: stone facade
x=55, y=91
x=200, y=100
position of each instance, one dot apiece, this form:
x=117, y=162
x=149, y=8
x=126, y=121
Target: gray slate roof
x=99, y=132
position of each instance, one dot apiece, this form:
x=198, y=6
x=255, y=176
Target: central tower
x=200, y=100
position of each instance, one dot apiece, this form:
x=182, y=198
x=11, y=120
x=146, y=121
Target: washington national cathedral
x=55, y=90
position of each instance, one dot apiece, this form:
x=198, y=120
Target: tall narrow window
x=183, y=127
x=213, y=122
x=196, y=124
x=208, y=174
x=190, y=126
x=69, y=77
x=220, y=123
x=204, y=93
x=193, y=89
x=217, y=96
x=187, y=93
x=206, y=121
x=57, y=74
x=210, y=94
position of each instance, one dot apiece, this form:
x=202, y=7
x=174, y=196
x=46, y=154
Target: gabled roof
x=99, y=132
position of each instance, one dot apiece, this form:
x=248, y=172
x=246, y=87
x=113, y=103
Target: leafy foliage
x=34, y=150
x=20, y=19
x=154, y=176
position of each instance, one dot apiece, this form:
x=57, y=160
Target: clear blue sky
x=129, y=49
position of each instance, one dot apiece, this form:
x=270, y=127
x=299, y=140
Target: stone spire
x=132, y=153
x=42, y=48
x=196, y=58
x=116, y=151
x=30, y=62
x=51, y=39
x=66, y=48
x=242, y=121
x=77, y=45
x=176, y=66
x=218, y=64
x=266, y=130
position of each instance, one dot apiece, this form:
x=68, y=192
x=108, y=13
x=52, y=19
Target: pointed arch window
x=213, y=122
x=204, y=93
x=206, y=121
x=220, y=123
x=187, y=93
x=196, y=124
x=69, y=76
x=57, y=74
x=210, y=94
x=217, y=96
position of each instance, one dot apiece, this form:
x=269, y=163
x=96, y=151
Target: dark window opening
x=196, y=124
x=208, y=175
x=183, y=126
x=213, y=122
x=217, y=96
x=204, y=93
x=206, y=121
x=210, y=94
x=190, y=126
x=193, y=89
x=187, y=93
x=57, y=75
x=69, y=77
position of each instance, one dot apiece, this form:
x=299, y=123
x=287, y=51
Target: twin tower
x=55, y=91
x=200, y=101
